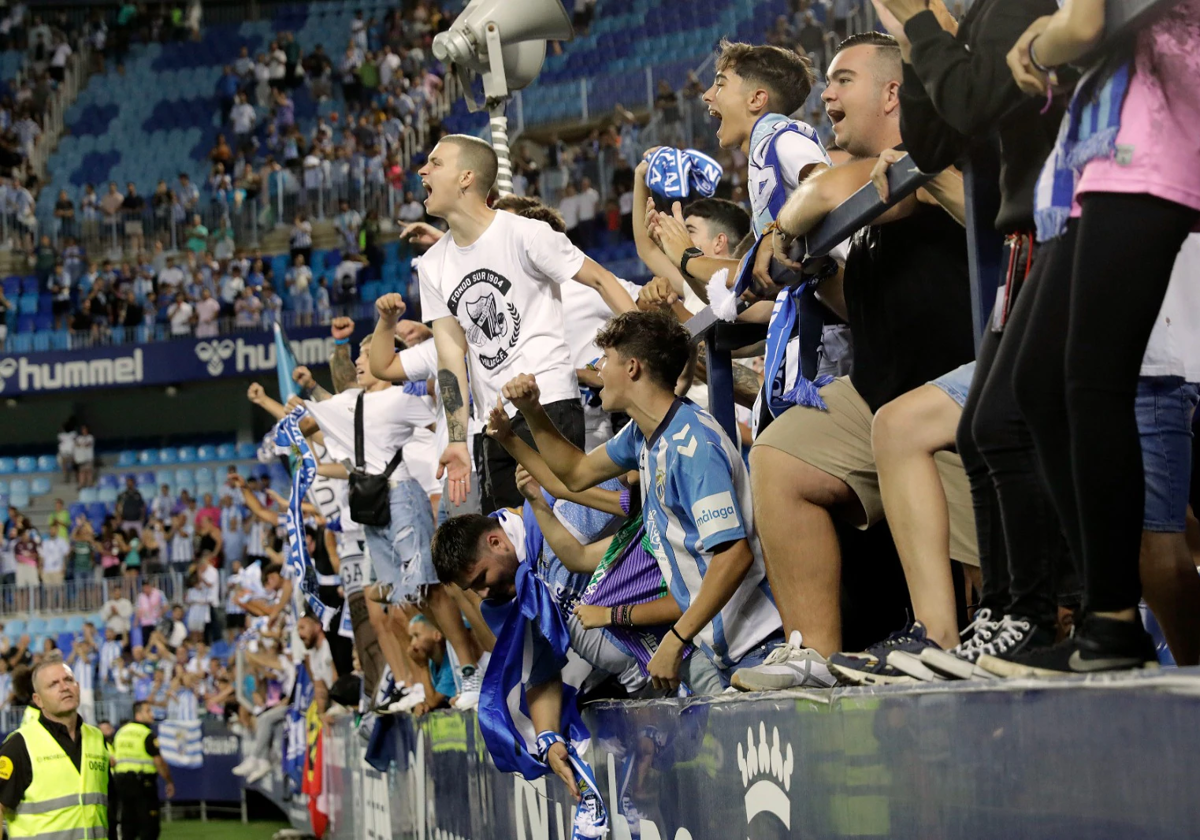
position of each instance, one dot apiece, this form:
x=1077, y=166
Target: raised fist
x=255, y=393
x=390, y=307
x=523, y=392
x=341, y=327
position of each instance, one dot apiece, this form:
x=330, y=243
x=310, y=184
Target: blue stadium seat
x=127, y=458
x=187, y=454
x=47, y=463
x=168, y=456
x=148, y=490
x=108, y=480
x=76, y=510
x=87, y=495
x=107, y=494
x=26, y=464
x=36, y=625
x=29, y=285
x=65, y=641
x=244, y=451
x=220, y=649
x=206, y=453
x=204, y=475
x=226, y=452
x=145, y=478
x=184, y=476
x=162, y=477
x=203, y=489
x=3, y=486
x=18, y=487
x=8, y=466
x=40, y=486
x=55, y=624
x=148, y=457
x=97, y=511
x=74, y=624
x=14, y=627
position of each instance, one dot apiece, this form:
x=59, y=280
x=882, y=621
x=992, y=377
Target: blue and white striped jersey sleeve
x=623, y=448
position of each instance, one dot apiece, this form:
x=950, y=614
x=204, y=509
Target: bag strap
x=359, y=462
x=359, y=459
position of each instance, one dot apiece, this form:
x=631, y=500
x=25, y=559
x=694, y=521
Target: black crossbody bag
x=369, y=503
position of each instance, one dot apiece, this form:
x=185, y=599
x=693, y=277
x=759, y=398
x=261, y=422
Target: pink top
x=1158, y=144
x=150, y=608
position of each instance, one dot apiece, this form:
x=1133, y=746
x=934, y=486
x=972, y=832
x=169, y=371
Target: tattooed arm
x=455, y=462
x=746, y=383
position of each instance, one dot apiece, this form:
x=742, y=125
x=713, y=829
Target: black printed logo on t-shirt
x=494, y=323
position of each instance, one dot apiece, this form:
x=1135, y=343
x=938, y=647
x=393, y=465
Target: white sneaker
x=791, y=665
x=262, y=769
x=410, y=701
x=472, y=684
x=248, y=764
x=959, y=662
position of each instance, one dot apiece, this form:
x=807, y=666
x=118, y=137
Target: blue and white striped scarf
x=300, y=566
x=674, y=173
x=1088, y=132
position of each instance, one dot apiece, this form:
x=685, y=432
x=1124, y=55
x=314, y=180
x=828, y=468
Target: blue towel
x=527, y=628
x=675, y=173
x=300, y=566
x=1088, y=132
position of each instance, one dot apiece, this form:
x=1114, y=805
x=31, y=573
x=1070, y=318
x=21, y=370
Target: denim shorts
x=957, y=383
x=400, y=552
x=703, y=678
x=1165, y=406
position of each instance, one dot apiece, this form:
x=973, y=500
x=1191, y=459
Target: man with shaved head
x=54, y=770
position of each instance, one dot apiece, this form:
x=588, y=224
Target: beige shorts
x=838, y=441
x=52, y=578
x=27, y=575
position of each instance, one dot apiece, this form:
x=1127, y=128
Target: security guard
x=137, y=765
x=54, y=770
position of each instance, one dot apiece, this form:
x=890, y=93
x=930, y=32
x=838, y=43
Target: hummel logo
x=766, y=775
x=682, y=432
x=689, y=450
x=1078, y=663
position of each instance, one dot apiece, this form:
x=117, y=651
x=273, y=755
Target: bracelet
x=1037, y=65
x=677, y=636
x=613, y=616
x=340, y=341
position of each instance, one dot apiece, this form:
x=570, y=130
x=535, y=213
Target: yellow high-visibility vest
x=129, y=749
x=62, y=803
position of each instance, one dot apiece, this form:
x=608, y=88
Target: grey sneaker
x=791, y=665
x=472, y=684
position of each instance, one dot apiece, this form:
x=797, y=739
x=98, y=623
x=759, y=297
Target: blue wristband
x=341, y=341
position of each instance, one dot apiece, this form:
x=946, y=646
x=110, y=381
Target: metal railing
x=64, y=96
x=86, y=594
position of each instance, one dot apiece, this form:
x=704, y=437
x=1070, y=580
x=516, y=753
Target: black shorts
x=498, y=471
x=235, y=621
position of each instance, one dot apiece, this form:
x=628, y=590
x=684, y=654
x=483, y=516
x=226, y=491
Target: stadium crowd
x=539, y=444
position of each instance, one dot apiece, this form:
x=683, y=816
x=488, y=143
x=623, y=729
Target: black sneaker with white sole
x=1098, y=645
x=875, y=665
x=1016, y=638
x=958, y=663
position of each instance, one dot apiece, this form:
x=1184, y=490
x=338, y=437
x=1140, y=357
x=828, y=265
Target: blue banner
x=157, y=363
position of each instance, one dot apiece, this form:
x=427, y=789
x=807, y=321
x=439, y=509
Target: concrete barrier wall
x=1100, y=758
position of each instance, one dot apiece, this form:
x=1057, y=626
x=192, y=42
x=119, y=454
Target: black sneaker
x=1016, y=638
x=1098, y=645
x=874, y=667
x=959, y=662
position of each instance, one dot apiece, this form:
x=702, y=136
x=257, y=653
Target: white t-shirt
x=181, y=318
x=66, y=443
x=389, y=417
x=1174, y=346
x=568, y=206
x=588, y=200
x=504, y=289
x=584, y=314
x=320, y=664
x=170, y=278
x=54, y=554
x=85, y=449
x=61, y=53
x=421, y=362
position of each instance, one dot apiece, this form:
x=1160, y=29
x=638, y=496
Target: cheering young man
x=491, y=292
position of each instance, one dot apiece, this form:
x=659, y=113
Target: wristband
x=677, y=636
x=613, y=616
x=1037, y=65
x=341, y=341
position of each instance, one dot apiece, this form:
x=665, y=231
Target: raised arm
x=455, y=462
x=647, y=250
x=577, y=470
x=579, y=558
x=341, y=364
x=500, y=429
x=597, y=277
x=385, y=361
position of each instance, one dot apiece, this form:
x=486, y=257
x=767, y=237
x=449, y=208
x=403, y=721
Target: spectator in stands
x=132, y=207
x=131, y=507
x=84, y=454
x=64, y=213
x=187, y=193
x=243, y=119
x=207, y=310
x=181, y=315
x=300, y=238
x=348, y=223
x=59, y=288
x=228, y=85
x=154, y=541
x=163, y=504
x=108, y=549
x=82, y=548
x=111, y=203
x=25, y=551
x=299, y=281
x=180, y=534
x=58, y=523
x=151, y=608
x=66, y=450
x=44, y=258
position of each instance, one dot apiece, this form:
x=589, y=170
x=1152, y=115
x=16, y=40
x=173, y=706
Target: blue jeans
x=1165, y=406
x=957, y=383
x=400, y=552
x=701, y=675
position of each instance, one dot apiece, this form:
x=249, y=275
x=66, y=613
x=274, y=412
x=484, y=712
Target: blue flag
x=285, y=363
x=181, y=743
x=295, y=730
x=532, y=635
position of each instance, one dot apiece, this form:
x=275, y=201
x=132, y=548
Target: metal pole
x=583, y=98
x=499, y=123
x=650, y=88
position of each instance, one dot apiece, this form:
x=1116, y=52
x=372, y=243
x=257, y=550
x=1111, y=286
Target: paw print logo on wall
x=7, y=368
x=214, y=353
x=766, y=775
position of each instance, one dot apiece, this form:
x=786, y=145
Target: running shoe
x=873, y=666
x=791, y=665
